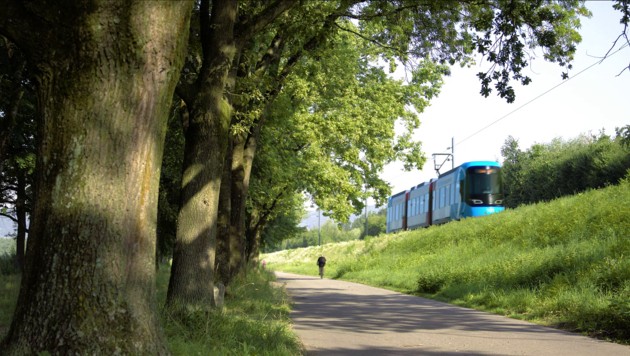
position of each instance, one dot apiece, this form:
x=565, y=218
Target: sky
x=596, y=99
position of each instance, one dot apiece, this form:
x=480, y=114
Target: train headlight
x=498, y=201
x=477, y=201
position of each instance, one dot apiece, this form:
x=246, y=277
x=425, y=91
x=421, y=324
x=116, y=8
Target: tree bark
x=222, y=262
x=242, y=162
x=237, y=203
x=106, y=74
x=192, y=274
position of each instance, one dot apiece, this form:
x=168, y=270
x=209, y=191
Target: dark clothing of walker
x=321, y=262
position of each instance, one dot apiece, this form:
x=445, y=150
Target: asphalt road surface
x=341, y=318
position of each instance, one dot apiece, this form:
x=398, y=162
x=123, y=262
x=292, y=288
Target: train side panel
x=446, y=199
x=418, y=208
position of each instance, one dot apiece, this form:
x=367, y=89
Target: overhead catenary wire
x=599, y=61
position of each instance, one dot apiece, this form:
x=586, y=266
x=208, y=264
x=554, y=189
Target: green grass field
x=565, y=263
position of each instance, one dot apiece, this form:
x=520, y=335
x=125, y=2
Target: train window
x=447, y=192
x=483, y=185
x=415, y=206
x=484, y=181
x=444, y=197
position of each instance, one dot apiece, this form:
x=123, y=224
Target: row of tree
x=300, y=85
x=548, y=171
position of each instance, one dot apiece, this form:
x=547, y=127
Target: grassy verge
x=565, y=263
x=9, y=288
x=254, y=321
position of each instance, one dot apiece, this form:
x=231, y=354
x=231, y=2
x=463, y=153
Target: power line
x=541, y=95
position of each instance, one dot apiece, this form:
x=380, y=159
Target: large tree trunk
x=192, y=275
x=237, y=204
x=106, y=75
x=242, y=161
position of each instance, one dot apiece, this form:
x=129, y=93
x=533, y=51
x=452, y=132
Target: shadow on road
x=340, y=318
x=333, y=308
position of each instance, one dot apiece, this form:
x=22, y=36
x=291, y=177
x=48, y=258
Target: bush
x=548, y=171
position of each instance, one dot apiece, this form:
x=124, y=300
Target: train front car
x=481, y=188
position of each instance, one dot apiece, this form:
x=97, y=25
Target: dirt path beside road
x=341, y=318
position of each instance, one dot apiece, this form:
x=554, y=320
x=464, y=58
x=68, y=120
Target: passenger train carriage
x=469, y=190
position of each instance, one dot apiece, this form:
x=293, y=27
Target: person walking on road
x=321, y=262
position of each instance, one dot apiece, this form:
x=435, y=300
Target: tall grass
x=565, y=263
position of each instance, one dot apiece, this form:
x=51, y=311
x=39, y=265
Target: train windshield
x=484, y=186
x=484, y=181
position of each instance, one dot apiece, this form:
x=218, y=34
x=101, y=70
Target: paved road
x=341, y=318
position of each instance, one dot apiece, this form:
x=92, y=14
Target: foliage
x=281, y=228
x=562, y=263
x=377, y=223
x=332, y=232
x=505, y=33
x=17, y=133
x=548, y=171
x=327, y=233
x=7, y=246
x=336, y=120
x=7, y=257
x=623, y=135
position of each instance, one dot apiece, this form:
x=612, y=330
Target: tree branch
x=250, y=26
x=382, y=45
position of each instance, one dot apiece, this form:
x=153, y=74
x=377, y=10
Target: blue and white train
x=469, y=190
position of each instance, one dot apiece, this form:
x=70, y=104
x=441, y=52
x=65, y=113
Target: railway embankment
x=564, y=263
